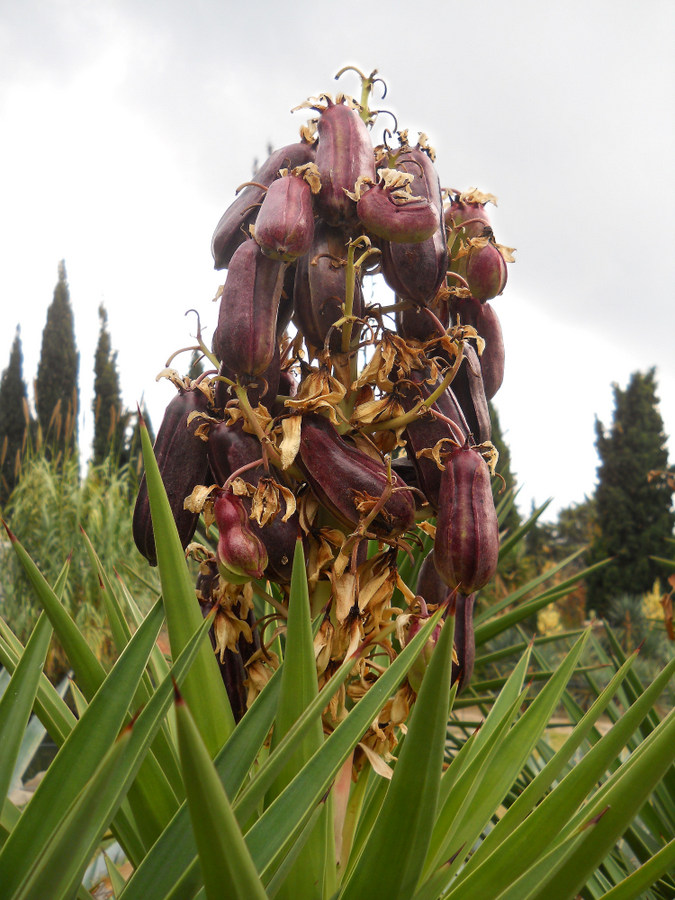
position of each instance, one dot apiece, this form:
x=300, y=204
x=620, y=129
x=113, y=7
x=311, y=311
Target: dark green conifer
x=634, y=516
x=110, y=419
x=14, y=419
x=57, y=391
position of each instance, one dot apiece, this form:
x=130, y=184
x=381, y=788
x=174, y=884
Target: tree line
x=50, y=423
x=629, y=519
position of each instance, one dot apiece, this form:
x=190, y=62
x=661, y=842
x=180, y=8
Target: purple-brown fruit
x=421, y=323
x=486, y=322
x=229, y=448
x=341, y=476
x=260, y=389
x=245, y=338
x=485, y=268
x=232, y=230
x=183, y=464
x=430, y=585
x=469, y=390
x=393, y=213
x=465, y=220
x=464, y=641
x=320, y=287
x=416, y=271
x=284, y=227
x=344, y=154
x=425, y=432
x=466, y=547
x=241, y=554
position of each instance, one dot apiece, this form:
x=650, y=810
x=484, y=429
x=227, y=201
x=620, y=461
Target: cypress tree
x=14, y=419
x=109, y=417
x=57, y=392
x=634, y=517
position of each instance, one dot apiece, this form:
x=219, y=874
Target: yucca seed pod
x=262, y=388
x=464, y=641
x=233, y=227
x=420, y=323
x=485, y=267
x=416, y=271
x=344, y=154
x=284, y=227
x=320, y=287
x=418, y=163
x=241, y=554
x=183, y=463
x=279, y=539
x=464, y=220
x=425, y=432
x=469, y=390
x=389, y=209
x=245, y=338
x=430, y=585
x=466, y=546
x=229, y=448
x=486, y=322
x=342, y=476
x=285, y=313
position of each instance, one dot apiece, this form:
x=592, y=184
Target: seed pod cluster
x=332, y=417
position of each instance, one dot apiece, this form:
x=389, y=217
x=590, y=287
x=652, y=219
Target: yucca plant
x=313, y=746
x=153, y=757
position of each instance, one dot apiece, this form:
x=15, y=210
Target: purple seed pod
x=344, y=154
x=241, y=554
x=285, y=313
x=464, y=641
x=430, y=585
x=466, y=547
x=421, y=323
x=232, y=230
x=261, y=389
x=425, y=432
x=408, y=473
x=416, y=271
x=320, y=286
x=416, y=161
x=284, y=227
x=486, y=322
x=485, y=268
x=245, y=338
x=391, y=211
x=229, y=448
x=465, y=219
x=469, y=390
x=279, y=538
x=338, y=473
x=183, y=464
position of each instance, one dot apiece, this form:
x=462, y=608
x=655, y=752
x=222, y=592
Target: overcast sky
x=125, y=127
